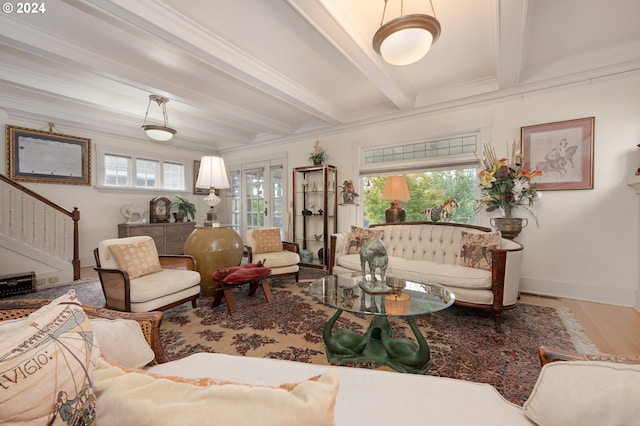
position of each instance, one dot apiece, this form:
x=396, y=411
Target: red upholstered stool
x=246, y=274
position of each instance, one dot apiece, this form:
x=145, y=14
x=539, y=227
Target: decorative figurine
x=441, y=213
x=374, y=253
x=349, y=193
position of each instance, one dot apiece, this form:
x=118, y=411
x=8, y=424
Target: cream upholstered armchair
x=281, y=257
x=135, y=279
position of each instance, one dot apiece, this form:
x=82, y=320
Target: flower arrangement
x=318, y=156
x=505, y=185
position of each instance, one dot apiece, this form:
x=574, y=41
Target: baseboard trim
x=610, y=296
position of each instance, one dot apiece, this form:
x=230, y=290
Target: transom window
x=416, y=151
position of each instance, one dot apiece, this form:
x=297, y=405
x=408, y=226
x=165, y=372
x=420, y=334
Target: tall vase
x=509, y=227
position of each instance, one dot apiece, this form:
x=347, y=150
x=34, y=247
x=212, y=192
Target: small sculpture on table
x=374, y=254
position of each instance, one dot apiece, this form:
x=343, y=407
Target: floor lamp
x=396, y=191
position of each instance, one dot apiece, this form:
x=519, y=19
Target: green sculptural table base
x=376, y=345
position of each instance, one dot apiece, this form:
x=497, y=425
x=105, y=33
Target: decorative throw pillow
x=267, y=240
x=585, y=393
x=475, y=249
x=133, y=397
x=121, y=341
x=137, y=259
x=359, y=236
x=241, y=274
x=45, y=367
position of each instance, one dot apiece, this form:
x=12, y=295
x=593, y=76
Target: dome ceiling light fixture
x=155, y=132
x=406, y=39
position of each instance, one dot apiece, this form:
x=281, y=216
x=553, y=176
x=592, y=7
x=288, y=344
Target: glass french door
x=259, y=197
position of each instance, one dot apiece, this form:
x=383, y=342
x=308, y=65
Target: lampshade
x=212, y=175
x=158, y=133
x=406, y=39
x=396, y=190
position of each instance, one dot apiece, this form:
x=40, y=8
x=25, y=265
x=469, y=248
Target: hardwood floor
x=614, y=329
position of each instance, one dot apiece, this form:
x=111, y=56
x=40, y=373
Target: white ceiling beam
x=336, y=24
x=511, y=22
x=164, y=23
x=76, y=56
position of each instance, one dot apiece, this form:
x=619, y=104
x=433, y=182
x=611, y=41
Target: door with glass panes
x=258, y=197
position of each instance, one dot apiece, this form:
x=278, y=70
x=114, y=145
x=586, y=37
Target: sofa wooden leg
x=497, y=316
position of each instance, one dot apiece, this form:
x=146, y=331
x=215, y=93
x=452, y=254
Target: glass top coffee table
x=394, y=297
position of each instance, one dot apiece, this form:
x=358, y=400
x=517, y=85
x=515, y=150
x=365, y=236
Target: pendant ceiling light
x=158, y=133
x=406, y=39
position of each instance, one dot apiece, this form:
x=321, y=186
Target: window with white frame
x=436, y=171
x=127, y=171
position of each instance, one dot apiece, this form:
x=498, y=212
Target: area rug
x=464, y=344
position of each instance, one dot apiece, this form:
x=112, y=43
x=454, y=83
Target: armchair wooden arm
x=149, y=322
x=178, y=261
x=286, y=245
x=548, y=355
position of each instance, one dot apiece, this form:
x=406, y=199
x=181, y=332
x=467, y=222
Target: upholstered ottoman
x=246, y=274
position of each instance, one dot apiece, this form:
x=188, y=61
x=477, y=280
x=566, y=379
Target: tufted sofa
x=430, y=251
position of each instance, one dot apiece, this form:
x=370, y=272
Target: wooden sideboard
x=169, y=237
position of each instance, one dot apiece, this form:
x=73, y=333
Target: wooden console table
x=169, y=237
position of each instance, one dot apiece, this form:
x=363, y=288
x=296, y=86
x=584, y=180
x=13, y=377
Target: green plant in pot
x=185, y=208
x=318, y=156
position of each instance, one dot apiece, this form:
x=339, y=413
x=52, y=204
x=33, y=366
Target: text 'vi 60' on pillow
x=45, y=367
x=267, y=240
x=359, y=237
x=135, y=397
x=137, y=259
x=475, y=249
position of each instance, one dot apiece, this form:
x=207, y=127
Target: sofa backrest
x=433, y=241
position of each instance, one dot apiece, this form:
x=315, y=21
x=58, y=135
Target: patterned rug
x=464, y=344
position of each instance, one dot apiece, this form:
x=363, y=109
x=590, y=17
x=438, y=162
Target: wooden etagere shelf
x=315, y=207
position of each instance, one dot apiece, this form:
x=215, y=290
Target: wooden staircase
x=33, y=226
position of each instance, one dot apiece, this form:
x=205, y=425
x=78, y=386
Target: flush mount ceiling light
x=406, y=39
x=158, y=133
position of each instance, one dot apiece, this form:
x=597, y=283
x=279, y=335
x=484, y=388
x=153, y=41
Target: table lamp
x=396, y=191
x=212, y=176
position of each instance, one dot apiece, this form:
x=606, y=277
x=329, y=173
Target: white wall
x=587, y=243
x=99, y=208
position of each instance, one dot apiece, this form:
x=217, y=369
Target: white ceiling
x=242, y=73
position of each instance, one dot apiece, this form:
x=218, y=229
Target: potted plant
x=318, y=156
x=505, y=186
x=185, y=208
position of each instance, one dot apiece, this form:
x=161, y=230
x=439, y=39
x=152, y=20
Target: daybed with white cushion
x=479, y=267
x=211, y=389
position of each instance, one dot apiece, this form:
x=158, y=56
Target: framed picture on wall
x=563, y=151
x=47, y=157
x=196, y=170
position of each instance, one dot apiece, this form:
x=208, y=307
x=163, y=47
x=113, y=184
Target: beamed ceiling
x=244, y=73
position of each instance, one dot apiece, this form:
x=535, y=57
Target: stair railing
x=32, y=219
